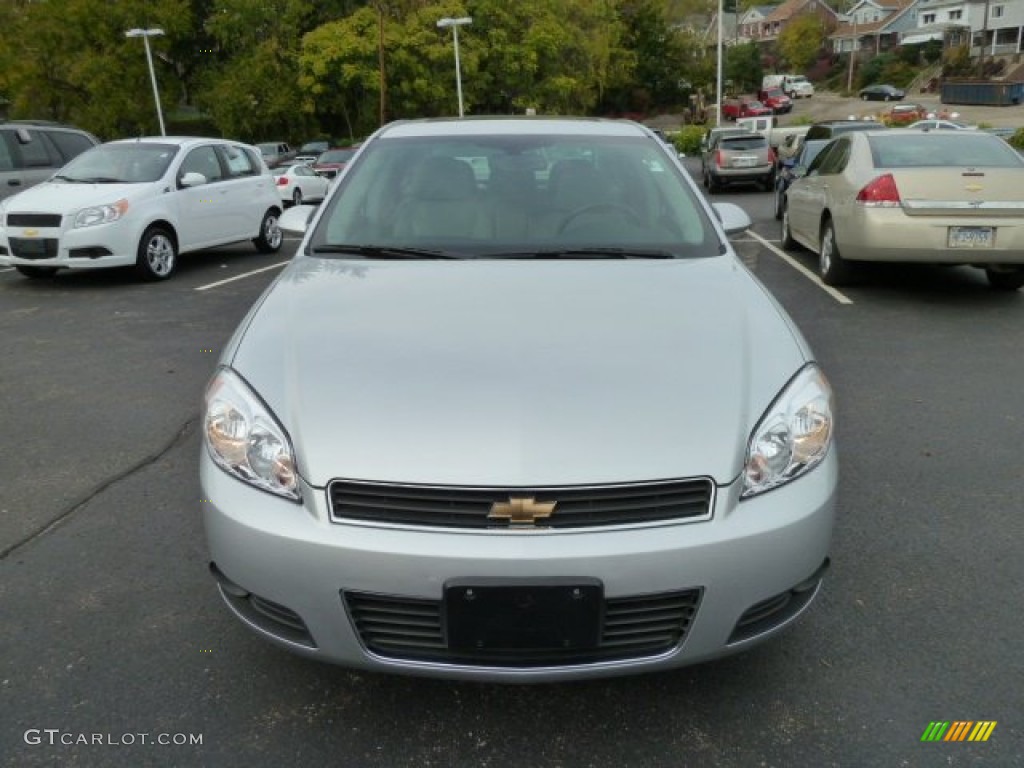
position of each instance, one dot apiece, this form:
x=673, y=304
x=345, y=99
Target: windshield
x=129, y=163
x=516, y=195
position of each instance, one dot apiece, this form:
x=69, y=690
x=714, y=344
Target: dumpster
x=982, y=92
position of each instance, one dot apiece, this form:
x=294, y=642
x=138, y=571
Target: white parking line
x=837, y=295
x=242, y=276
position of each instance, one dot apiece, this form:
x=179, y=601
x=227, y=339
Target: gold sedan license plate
x=971, y=237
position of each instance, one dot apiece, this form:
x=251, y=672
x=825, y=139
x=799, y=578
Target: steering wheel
x=587, y=210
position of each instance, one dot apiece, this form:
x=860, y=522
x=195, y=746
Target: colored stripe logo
x=959, y=730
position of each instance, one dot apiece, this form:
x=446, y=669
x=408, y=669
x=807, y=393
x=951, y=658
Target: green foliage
x=1017, y=139
x=800, y=41
x=688, y=139
x=742, y=67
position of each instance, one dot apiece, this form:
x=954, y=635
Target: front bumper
x=299, y=580
x=65, y=247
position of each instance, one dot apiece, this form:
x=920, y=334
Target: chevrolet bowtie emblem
x=30, y=232
x=521, y=510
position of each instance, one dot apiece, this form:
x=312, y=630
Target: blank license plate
x=523, y=614
x=744, y=162
x=971, y=237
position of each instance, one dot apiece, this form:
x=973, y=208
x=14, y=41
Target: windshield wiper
x=386, y=251
x=96, y=180
x=586, y=253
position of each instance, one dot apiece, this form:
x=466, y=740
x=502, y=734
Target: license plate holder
x=523, y=614
x=971, y=237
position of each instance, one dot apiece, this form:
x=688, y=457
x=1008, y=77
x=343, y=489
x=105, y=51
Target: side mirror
x=799, y=171
x=24, y=137
x=296, y=219
x=192, y=179
x=734, y=219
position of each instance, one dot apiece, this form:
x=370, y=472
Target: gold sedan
x=934, y=197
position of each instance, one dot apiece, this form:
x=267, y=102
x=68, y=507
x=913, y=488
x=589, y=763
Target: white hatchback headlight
x=101, y=214
x=245, y=439
x=793, y=436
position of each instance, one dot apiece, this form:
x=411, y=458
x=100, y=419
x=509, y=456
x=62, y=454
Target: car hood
x=62, y=197
x=517, y=374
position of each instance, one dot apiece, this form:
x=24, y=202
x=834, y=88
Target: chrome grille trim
x=467, y=507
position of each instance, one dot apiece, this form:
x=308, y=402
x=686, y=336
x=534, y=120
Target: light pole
x=145, y=34
x=455, y=24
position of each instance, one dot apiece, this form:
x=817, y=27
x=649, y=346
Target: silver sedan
x=516, y=411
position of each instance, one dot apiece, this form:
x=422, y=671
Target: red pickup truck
x=733, y=109
x=776, y=100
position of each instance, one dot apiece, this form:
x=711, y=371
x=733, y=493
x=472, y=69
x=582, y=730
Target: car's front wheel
x=1005, y=278
x=786, y=240
x=36, y=273
x=834, y=270
x=270, y=237
x=157, y=255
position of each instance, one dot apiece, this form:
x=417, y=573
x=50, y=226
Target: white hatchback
x=142, y=202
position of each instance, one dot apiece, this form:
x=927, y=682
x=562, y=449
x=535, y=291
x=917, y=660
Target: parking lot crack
x=180, y=435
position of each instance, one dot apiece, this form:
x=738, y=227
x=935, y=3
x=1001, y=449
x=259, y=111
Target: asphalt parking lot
x=112, y=627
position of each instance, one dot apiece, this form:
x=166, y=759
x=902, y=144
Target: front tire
x=36, y=273
x=157, y=257
x=1005, y=278
x=270, y=237
x=786, y=239
x=832, y=268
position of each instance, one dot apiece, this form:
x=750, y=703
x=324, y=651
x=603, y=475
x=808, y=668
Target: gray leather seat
x=442, y=202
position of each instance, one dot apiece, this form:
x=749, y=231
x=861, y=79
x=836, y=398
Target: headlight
x=101, y=214
x=793, y=436
x=244, y=438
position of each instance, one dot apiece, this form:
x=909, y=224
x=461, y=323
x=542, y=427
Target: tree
x=800, y=41
x=742, y=67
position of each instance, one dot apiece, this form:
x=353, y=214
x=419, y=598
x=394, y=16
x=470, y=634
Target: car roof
x=522, y=125
x=183, y=141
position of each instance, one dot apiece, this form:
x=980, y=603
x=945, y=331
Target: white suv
x=141, y=202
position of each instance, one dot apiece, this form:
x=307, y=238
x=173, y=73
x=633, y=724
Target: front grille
x=412, y=629
x=33, y=219
x=33, y=247
x=469, y=507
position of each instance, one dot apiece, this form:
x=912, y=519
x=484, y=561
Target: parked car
x=733, y=109
x=938, y=197
x=276, y=153
x=390, y=487
x=793, y=168
x=311, y=150
x=30, y=152
x=883, y=92
x=740, y=159
x=904, y=114
x=297, y=183
x=141, y=202
x=330, y=163
x=776, y=100
x=829, y=129
x=934, y=124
